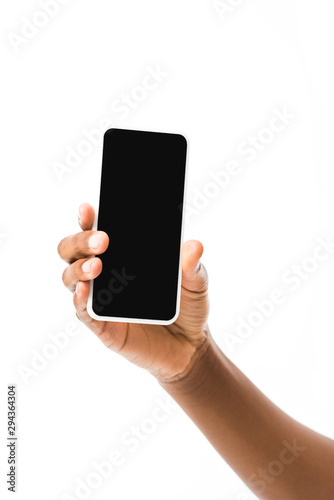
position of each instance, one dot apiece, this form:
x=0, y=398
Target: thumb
x=194, y=274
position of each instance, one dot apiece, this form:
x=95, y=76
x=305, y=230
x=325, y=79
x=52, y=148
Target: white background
x=226, y=74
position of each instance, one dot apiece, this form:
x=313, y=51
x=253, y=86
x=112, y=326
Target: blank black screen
x=141, y=198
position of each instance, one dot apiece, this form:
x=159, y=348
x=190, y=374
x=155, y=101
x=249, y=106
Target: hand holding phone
x=165, y=350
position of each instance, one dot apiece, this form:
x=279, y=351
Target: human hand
x=165, y=351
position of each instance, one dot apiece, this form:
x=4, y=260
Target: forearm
x=274, y=455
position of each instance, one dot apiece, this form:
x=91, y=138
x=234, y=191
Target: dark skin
x=253, y=435
x=163, y=350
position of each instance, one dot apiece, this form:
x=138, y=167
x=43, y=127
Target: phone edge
x=113, y=319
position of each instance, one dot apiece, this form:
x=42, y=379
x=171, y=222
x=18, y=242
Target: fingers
x=80, y=298
x=194, y=274
x=86, y=216
x=77, y=249
x=81, y=270
x=81, y=245
x=112, y=335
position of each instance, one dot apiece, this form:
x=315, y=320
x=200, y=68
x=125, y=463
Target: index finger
x=84, y=244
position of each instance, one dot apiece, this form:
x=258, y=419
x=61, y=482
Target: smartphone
x=141, y=208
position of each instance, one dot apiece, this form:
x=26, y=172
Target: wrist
x=195, y=366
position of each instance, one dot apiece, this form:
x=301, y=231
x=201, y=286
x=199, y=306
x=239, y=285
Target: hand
x=166, y=351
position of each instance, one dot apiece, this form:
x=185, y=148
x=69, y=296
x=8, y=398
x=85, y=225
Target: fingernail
x=87, y=265
x=94, y=241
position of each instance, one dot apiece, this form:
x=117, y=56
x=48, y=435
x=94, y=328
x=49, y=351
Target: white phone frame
x=113, y=319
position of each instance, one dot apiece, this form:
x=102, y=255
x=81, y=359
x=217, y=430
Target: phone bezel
x=114, y=319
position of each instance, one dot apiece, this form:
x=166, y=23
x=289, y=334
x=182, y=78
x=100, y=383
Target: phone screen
x=140, y=208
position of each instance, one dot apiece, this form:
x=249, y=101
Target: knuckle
x=81, y=241
x=79, y=306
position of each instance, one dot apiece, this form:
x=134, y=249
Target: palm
x=163, y=350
